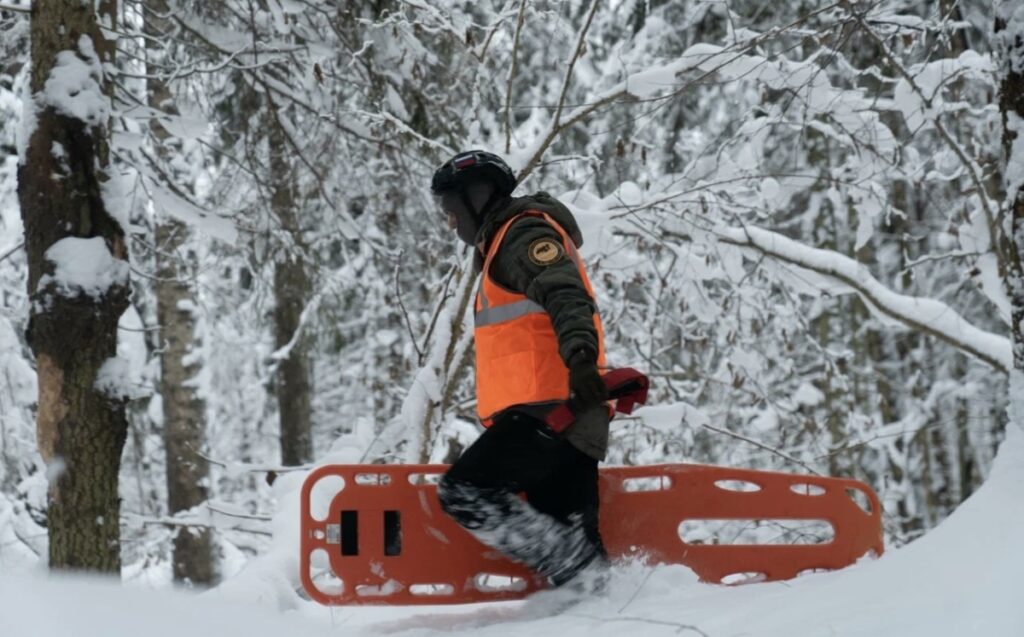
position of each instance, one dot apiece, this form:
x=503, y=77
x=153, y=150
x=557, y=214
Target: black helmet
x=471, y=166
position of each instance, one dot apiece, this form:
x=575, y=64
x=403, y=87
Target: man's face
x=460, y=218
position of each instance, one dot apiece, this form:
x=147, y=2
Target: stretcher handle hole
x=860, y=498
x=322, y=577
x=805, y=488
x=424, y=478
x=747, y=577
x=431, y=590
x=350, y=532
x=739, y=486
x=392, y=533
x=756, y=532
x=373, y=479
x=497, y=583
x=322, y=494
x=647, y=483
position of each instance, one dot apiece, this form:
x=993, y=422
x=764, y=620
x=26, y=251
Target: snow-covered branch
x=925, y=315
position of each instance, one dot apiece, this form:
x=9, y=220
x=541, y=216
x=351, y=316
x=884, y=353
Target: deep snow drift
x=960, y=579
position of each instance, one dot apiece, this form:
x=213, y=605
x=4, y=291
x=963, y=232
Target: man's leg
x=571, y=492
x=480, y=492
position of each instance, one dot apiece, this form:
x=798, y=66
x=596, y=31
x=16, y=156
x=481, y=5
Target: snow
x=73, y=87
x=84, y=266
x=920, y=101
x=92, y=607
x=960, y=579
x=807, y=394
x=170, y=203
x=17, y=555
x=1015, y=162
x=28, y=120
x=14, y=370
x=118, y=196
x=668, y=417
x=114, y=378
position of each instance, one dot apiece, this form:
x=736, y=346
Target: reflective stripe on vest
x=517, y=354
x=493, y=315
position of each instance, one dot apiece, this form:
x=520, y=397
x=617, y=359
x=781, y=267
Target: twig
x=184, y=524
x=12, y=251
x=657, y=622
x=763, y=446
x=441, y=300
x=405, y=312
x=636, y=593
x=242, y=467
x=17, y=8
x=241, y=516
x=581, y=44
x=511, y=76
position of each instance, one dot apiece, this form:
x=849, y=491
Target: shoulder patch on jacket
x=545, y=251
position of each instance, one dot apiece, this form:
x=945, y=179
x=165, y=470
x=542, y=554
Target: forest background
x=799, y=218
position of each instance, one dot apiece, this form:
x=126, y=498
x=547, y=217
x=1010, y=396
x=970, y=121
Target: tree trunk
x=183, y=409
x=292, y=288
x=81, y=427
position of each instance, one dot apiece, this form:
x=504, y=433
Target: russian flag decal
x=465, y=161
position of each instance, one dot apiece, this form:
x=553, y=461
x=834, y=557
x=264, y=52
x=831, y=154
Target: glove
x=586, y=388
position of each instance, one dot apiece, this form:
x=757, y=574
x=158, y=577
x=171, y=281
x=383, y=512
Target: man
x=539, y=343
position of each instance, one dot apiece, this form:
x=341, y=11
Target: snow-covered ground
x=960, y=579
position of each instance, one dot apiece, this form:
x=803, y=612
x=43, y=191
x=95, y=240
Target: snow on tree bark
x=73, y=327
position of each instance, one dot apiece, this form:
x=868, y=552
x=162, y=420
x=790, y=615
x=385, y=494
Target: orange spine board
x=385, y=540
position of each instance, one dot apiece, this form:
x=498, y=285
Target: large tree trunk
x=292, y=288
x=183, y=409
x=73, y=326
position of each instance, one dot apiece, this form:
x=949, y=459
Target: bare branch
x=761, y=445
x=12, y=251
x=581, y=46
x=512, y=75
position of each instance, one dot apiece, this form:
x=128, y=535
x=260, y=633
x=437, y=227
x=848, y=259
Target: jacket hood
x=541, y=201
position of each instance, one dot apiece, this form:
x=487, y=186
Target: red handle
x=626, y=386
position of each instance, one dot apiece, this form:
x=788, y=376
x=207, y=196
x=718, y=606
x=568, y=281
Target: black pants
x=555, y=531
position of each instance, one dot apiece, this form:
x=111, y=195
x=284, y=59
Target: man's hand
x=586, y=389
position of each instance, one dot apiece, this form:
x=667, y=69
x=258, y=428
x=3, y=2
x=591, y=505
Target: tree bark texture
x=184, y=411
x=183, y=408
x=81, y=431
x=292, y=289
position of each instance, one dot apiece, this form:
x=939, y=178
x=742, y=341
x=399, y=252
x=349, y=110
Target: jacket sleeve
x=552, y=282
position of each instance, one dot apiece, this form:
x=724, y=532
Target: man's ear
x=452, y=203
x=480, y=195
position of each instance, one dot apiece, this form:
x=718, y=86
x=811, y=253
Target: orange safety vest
x=517, y=358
